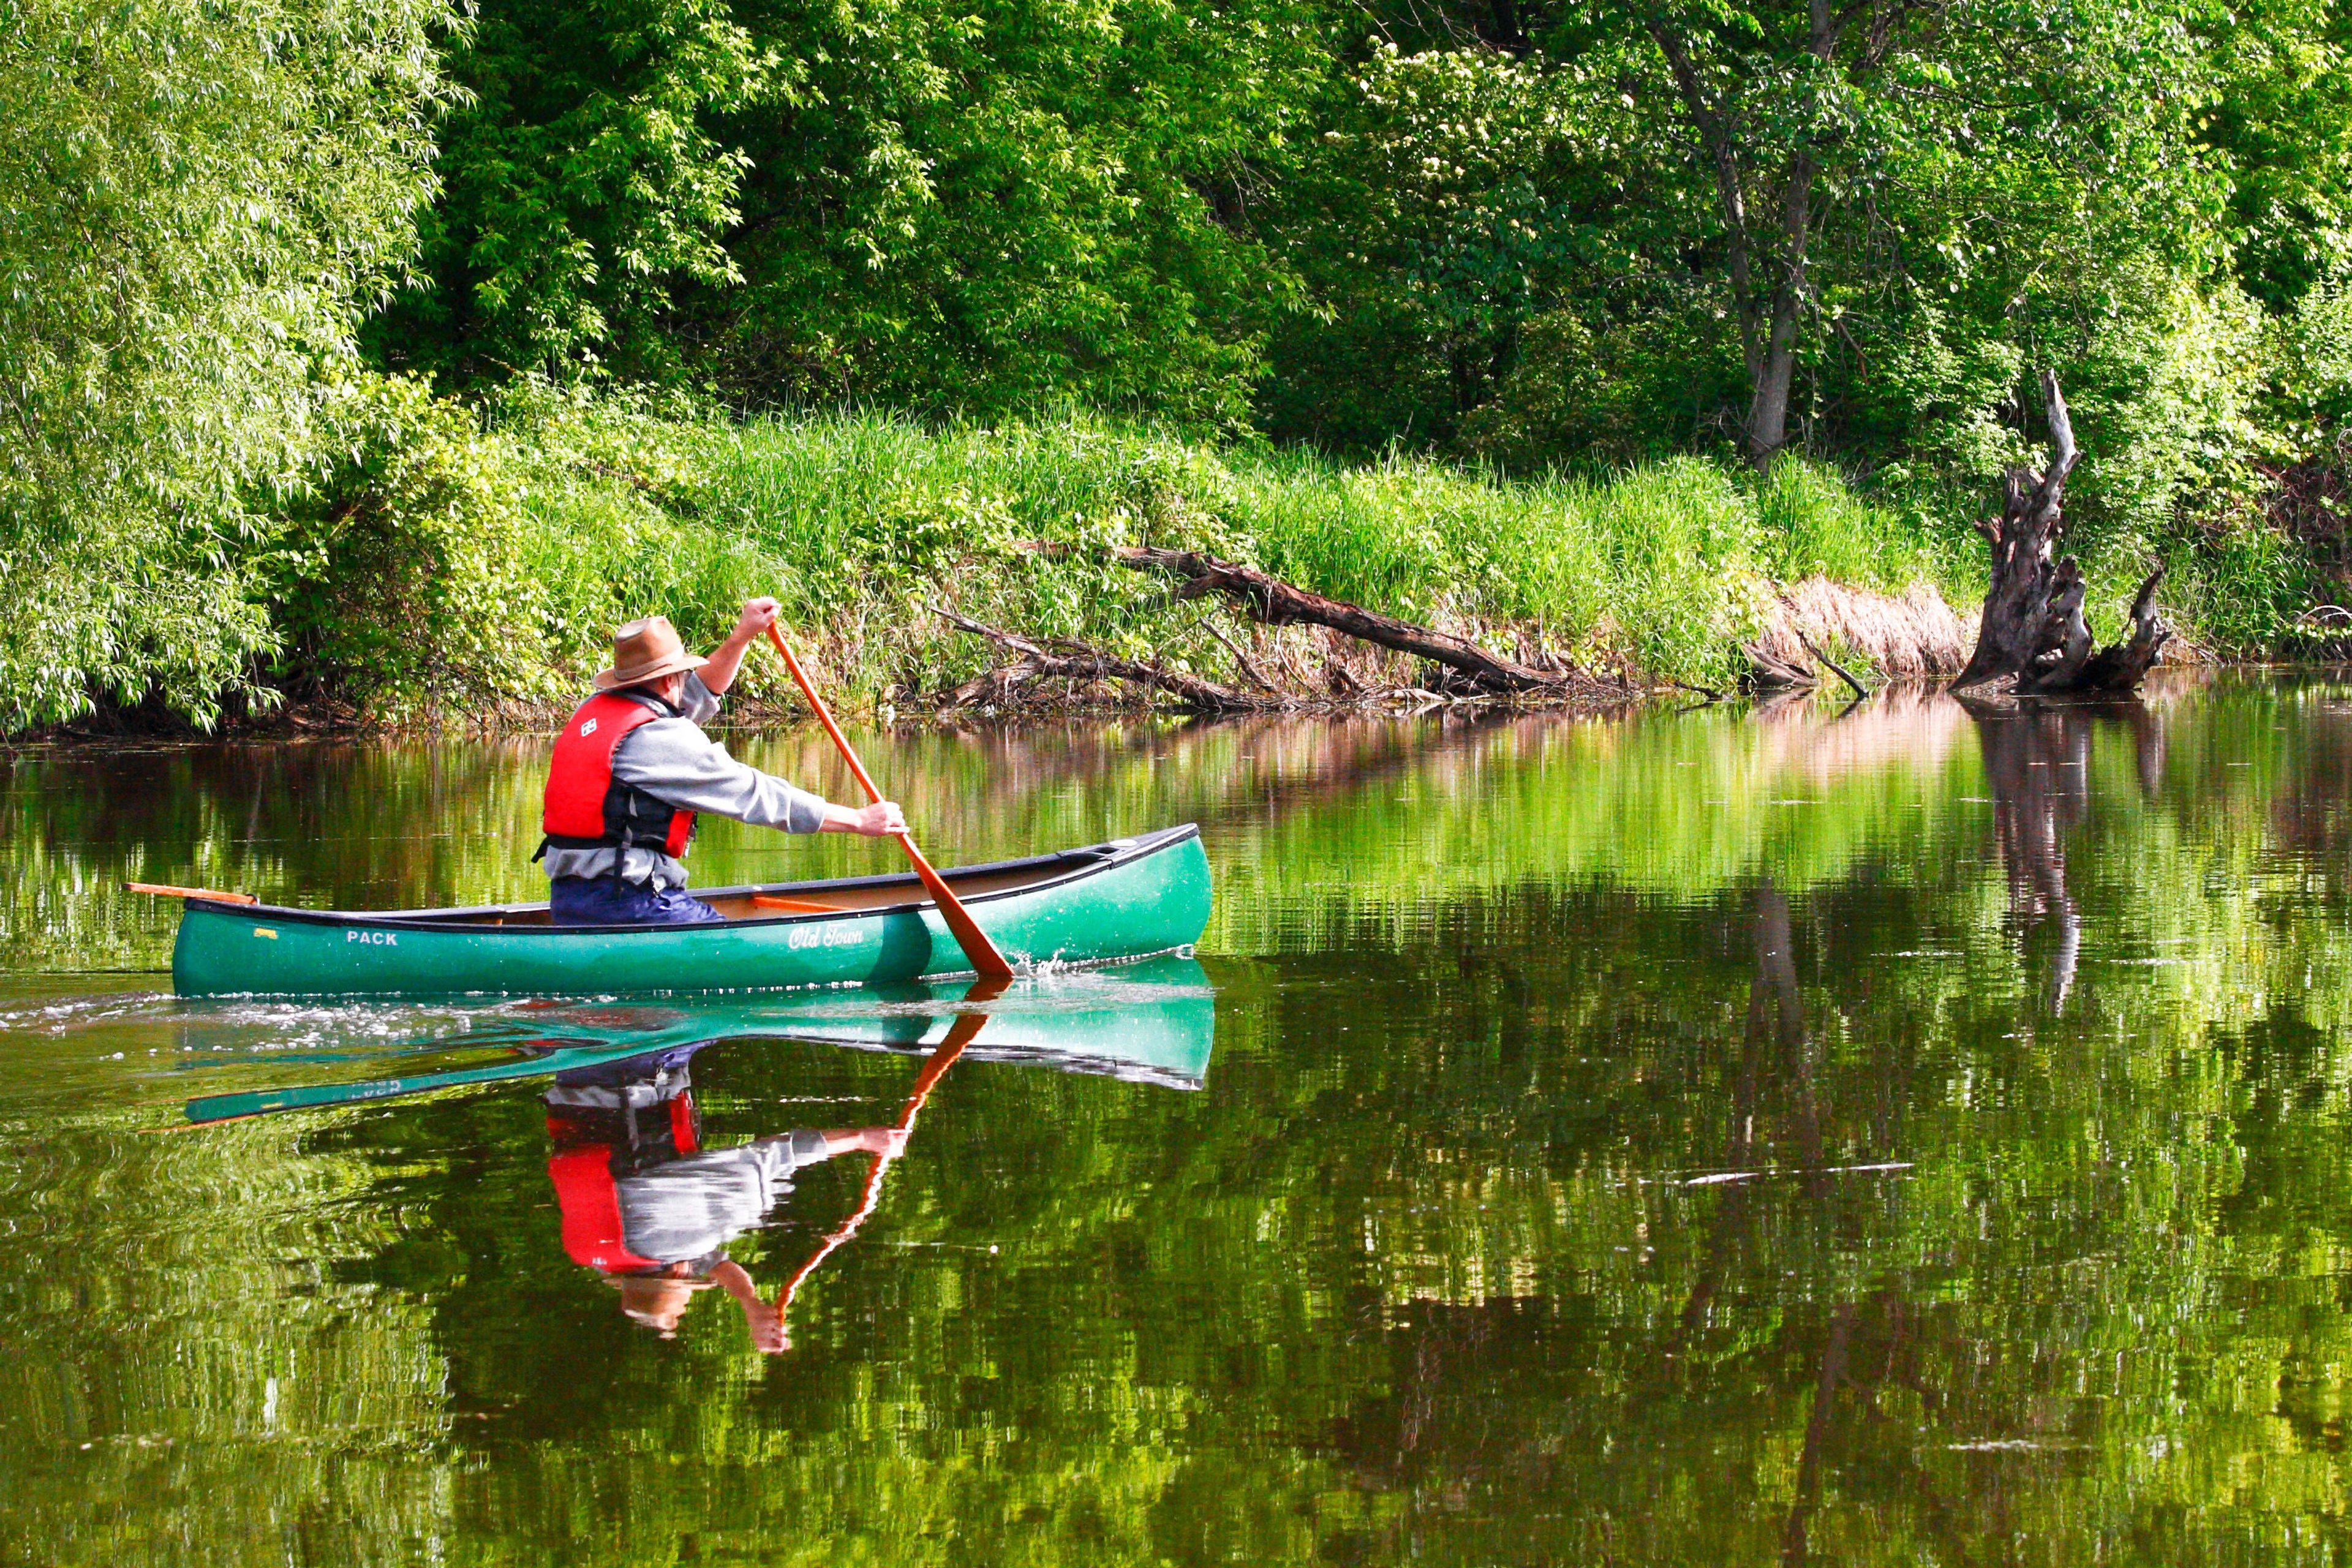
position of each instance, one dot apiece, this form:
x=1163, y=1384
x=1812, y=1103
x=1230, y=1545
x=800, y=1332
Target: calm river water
x=1895, y=1136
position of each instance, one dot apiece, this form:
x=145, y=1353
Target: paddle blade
x=986, y=961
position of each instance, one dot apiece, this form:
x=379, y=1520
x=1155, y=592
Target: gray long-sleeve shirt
x=690, y=1208
x=672, y=759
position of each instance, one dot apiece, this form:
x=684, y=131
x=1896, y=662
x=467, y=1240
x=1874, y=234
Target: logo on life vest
x=588, y=729
x=372, y=938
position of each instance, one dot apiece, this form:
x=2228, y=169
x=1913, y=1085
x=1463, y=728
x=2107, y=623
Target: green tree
x=200, y=198
x=583, y=186
x=2279, y=123
x=1813, y=124
x=1649, y=201
x=969, y=207
x=983, y=207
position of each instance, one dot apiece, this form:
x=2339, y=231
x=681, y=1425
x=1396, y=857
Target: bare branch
x=1089, y=664
x=1843, y=672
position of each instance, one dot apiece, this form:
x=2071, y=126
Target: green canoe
x=1127, y=898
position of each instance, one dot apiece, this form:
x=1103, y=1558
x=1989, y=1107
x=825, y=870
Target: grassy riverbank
x=520, y=537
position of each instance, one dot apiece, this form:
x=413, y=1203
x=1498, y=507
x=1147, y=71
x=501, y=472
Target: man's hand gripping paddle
x=986, y=961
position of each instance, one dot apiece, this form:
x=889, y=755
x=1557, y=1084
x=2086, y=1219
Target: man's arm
x=762, y=1318
x=807, y=1147
x=718, y=673
x=873, y=1140
x=673, y=762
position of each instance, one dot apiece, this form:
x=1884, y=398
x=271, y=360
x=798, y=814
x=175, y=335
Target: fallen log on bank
x=1463, y=670
x=1077, y=662
x=2033, y=633
x=1272, y=602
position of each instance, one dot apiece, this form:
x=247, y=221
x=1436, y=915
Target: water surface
x=1898, y=1135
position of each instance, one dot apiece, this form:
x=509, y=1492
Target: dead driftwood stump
x=2032, y=634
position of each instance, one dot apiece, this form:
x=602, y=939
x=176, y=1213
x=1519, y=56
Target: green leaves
x=943, y=206
x=201, y=197
x=583, y=188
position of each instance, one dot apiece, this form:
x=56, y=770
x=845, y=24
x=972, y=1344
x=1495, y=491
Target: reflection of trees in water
x=1802, y=1173
x=2037, y=761
x=1823, y=1360
x=2311, y=817
x=2053, y=1338
x=1779, y=1046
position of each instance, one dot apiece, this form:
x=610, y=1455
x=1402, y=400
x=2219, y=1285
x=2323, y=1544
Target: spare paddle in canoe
x=163, y=891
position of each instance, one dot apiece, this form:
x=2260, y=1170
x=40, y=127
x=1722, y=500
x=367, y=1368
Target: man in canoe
x=648, y=1207
x=633, y=768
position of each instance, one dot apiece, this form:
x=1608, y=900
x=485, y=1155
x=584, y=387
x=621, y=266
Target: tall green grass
x=1661, y=566
x=600, y=509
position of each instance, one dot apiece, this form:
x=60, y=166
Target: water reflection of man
x=651, y=1210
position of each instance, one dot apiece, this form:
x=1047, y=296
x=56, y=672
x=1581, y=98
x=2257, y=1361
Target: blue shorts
x=601, y=901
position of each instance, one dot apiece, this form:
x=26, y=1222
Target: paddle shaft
x=986, y=961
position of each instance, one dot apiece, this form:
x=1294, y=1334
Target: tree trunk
x=2032, y=634
x=1768, y=407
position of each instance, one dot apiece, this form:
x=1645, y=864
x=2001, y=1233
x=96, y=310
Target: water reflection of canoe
x=1154, y=1022
x=1109, y=901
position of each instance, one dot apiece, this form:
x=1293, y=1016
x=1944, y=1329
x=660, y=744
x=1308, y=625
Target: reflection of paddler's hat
x=657, y=1301
x=647, y=650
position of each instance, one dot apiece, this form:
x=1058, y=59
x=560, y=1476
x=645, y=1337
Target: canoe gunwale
x=1074, y=866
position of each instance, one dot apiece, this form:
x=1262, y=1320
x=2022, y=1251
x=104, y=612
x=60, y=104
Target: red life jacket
x=585, y=1190
x=591, y=1211
x=586, y=807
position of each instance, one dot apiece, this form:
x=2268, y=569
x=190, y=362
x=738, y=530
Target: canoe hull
x=1124, y=900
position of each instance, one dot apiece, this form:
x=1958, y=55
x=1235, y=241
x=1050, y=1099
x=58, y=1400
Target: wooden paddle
x=965, y=1029
x=162, y=891
x=986, y=961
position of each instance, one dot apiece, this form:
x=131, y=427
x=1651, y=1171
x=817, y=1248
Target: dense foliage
x=938, y=205
x=522, y=541
x=279, y=271
x=200, y=199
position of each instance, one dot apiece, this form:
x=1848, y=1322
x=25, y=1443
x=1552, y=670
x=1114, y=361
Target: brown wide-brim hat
x=647, y=650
